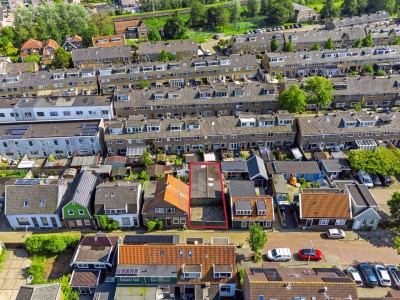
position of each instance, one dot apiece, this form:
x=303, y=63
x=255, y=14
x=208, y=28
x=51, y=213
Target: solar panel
x=337, y=279
x=27, y=181
x=151, y=239
x=272, y=275
x=20, y=127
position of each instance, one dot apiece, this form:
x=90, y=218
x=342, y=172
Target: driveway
x=12, y=276
x=383, y=194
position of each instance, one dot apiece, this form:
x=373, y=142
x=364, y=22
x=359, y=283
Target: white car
x=365, y=178
x=383, y=275
x=335, y=234
x=279, y=254
x=355, y=276
x=207, y=52
x=395, y=273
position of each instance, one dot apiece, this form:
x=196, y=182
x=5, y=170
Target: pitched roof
x=98, y=248
x=242, y=188
x=121, y=26
x=51, y=43
x=115, y=158
x=117, y=195
x=149, y=48
x=234, y=166
x=156, y=169
x=121, y=51
x=84, y=278
x=256, y=167
x=31, y=43
x=296, y=167
x=108, y=40
x=325, y=205
x=39, y=292
x=361, y=195
x=171, y=190
x=76, y=38
x=51, y=192
x=82, y=188
x=206, y=255
x=374, y=17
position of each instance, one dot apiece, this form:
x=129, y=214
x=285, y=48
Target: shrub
x=55, y=244
x=241, y=277
x=37, y=269
x=257, y=256
x=160, y=224
x=303, y=181
x=106, y=223
x=240, y=245
x=3, y=255
x=42, y=245
x=151, y=225
x=51, y=158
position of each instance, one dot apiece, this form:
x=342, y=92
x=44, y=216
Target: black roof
x=151, y=239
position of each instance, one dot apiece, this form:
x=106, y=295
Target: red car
x=310, y=254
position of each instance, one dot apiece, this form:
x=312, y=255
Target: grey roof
x=82, y=188
x=123, y=51
x=234, y=166
x=279, y=184
x=39, y=292
x=296, y=167
x=205, y=181
x=374, y=17
x=261, y=205
x=99, y=169
x=336, y=165
x=105, y=291
x=50, y=191
x=150, y=190
x=173, y=46
x=151, y=270
x=256, y=167
x=243, y=205
x=242, y=188
x=361, y=195
x=78, y=161
x=319, y=36
x=119, y=171
x=301, y=7
x=117, y=195
x=136, y=293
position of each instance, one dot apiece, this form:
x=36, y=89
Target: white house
x=120, y=201
x=34, y=203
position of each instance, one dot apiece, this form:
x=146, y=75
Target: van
x=365, y=178
x=279, y=254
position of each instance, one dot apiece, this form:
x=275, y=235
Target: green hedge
x=43, y=245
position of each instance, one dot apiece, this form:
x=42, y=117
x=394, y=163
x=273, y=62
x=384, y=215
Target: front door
x=309, y=223
x=357, y=224
x=169, y=222
x=35, y=222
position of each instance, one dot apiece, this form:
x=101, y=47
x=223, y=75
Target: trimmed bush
x=49, y=244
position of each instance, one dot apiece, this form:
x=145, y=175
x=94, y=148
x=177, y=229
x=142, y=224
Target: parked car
x=368, y=274
x=310, y=254
x=365, y=178
x=386, y=180
x=355, y=276
x=216, y=37
x=207, y=52
x=335, y=234
x=279, y=254
x=383, y=275
x=300, y=25
x=295, y=26
x=395, y=273
x=375, y=179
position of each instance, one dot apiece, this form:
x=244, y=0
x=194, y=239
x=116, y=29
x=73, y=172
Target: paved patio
x=12, y=276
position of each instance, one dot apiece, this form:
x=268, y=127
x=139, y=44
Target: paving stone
x=6, y=294
x=8, y=284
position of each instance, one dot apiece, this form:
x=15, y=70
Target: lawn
x=317, y=5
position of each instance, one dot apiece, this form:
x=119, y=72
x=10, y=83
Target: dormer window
x=276, y=59
x=349, y=123
x=225, y=62
x=153, y=128
x=11, y=79
x=252, y=38
x=239, y=40
x=213, y=63
x=134, y=129
x=158, y=96
x=222, y=271
x=173, y=96
x=220, y=94
x=247, y=122
x=204, y=95
x=88, y=73
x=261, y=208
x=193, y=126
x=285, y=122
x=105, y=72
x=72, y=74
x=42, y=203
x=243, y=208
x=266, y=123
x=58, y=76
x=26, y=203
x=122, y=98
x=191, y=271
x=176, y=127
x=239, y=93
x=147, y=69
x=366, y=123
x=115, y=130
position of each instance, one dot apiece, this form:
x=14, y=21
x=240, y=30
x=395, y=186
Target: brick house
x=132, y=29
x=31, y=47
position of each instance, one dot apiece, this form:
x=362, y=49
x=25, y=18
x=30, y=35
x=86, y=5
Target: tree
x=387, y=5
x=32, y=58
x=163, y=56
x=175, y=28
x=7, y=48
x=394, y=206
x=154, y=35
x=257, y=238
x=281, y=11
x=197, y=14
x=315, y=47
x=382, y=161
x=151, y=225
x=55, y=244
x=274, y=45
x=254, y=7
x=381, y=73
x=146, y=159
x=62, y=59
x=368, y=69
x=103, y=22
x=319, y=91
x=358, y=43
x=367, y=41
x=264, y=7
x=329, y=10
x=144, y=84
x=143, y=176
x=396, y=41
x=235, y=11
x=293, y=99
x=288, y=47
x=396, y=242
x=349, y=7
x=329, y=44
x=217, y=16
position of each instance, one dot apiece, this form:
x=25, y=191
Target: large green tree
x=367, y=41
x=274, y=45
x=264, y=7
x=154, y=35
x=293, y=99
x=103, y=22
x=288, y=46
x=62, y=59
x=257, y=238
x=146, y=159
x=163, y=56
x=358, y=43
x=175, y=28
x=197, y=14
x=254, y=7
x=217, y=16
x=280, y=11
x=382, y=160
x=329, y=44
x=329, y=10
x=349, y=7
x=394, y=206
x=387, y=5
x=319, y=91
x=235, y=11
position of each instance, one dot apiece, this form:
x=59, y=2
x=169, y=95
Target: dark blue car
x=368, y=274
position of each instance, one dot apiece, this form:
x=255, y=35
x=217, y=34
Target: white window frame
x=323, y=222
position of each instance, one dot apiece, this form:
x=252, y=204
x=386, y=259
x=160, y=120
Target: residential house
x=85, y=281
x=8, y=67
x=76, y=207
x=115, y=161
x=308, y=170
x=296, y=283
x=41, y=139
x=132, y=29
x=31, y=47
x=383, y=35
x=255, y=43
x=209, y=134
x=364, y=206
x=280, y=189
x=377, y=18
x=248, y=208
x=182, y=49
x=207, y=198
x=49, y=51
x=345, y=130
x=324, y=208
x=34, y=203
x=331, y=62
x=108, y=40
x=40, y=291
x=170, y=203
x=72, y=43
x=119, y=201
x=335, y=168
x=97, y=56
x=252, y=169
x=190, y=270
x=304, y=14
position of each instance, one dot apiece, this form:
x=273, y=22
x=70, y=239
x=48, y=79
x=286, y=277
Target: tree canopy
x=394, y=206
x=175, y=28
x=293, y=99
x=329, y=11
x=154, y=35
x=197, y=14
x=319, y=91
x=367, y=41
x=274, y=45
x=254, y=7
x=280, y=11
x=62, y=59
x=257, y=238
x=146, y=159
x=329, y=44
x=288, y=47
x=235, y=11
x=382, y=161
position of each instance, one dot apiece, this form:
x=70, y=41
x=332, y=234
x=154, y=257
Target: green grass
x=13, y=173
x=320, y=3
x=3, y=255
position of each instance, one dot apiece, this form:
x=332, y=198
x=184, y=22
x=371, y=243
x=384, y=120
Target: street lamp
x=309, y=256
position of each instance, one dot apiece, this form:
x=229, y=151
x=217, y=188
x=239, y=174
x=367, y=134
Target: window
x=81, y=212
x=225, y=288
x=126, y=278
x=87, y=222
x=42, y=203
x=170, y=210
x=260, y=297
x=66, y=113
x=55, y=142
x=159, y=210
x=53, y=114
x=79, y=223
x=181, y=253
x=183, y=220
x=340, y=222
x=99, y=266
x=40, y=114
x=190, y=253
x=162, y=252
x=26, y=203
x=126, y=221
x=175, y=221
x=82, y=266
x=70, y=212
x=23, y=221
x=323, y=222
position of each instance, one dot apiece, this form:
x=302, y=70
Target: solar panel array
x=127, y=271
x=151, y=239
x=27, y=181
x=87, y=129
x=272, y=274
x=15, y=132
